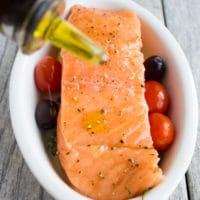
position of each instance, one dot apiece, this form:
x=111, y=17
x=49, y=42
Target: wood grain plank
x=154, y=6
x=184, y=23
x=16, y=181
x=181, y=192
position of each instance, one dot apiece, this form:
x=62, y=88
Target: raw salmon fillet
x=104, y=142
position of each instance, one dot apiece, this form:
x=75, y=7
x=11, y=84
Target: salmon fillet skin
x=104, y=142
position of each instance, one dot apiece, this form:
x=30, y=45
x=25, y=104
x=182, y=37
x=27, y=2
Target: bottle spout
x=64, y=35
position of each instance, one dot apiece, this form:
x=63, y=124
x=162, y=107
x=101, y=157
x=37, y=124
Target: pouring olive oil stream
x=31, y=23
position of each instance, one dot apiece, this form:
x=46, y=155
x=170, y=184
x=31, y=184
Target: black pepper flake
x=67, y=153
x=80, y=172
x=92, y=27
x=89, y=145
x=79, y=110
x=102, y=111
x=92, y=132
x=104, y=25
x=113, y=81
x=78, y=161
x=142, y=86
x=122, y=141
x=110, y=33
x=118, y=24
x=112, y=148
x=130, y=161
x=137, y=165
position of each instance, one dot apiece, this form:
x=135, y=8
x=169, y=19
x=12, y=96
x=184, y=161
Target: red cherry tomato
x=156, y=96
x=162, y=131
x=48, y=75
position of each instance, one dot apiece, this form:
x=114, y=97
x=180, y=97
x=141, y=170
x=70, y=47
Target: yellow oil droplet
x=95, y=122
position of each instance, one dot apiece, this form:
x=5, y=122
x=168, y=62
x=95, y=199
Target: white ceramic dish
x=179, y=81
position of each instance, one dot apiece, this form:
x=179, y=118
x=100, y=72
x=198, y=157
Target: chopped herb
x=52, y=145
x=145, y=193
x=129, y=193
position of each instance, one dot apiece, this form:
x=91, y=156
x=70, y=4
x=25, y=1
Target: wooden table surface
x=16, y=181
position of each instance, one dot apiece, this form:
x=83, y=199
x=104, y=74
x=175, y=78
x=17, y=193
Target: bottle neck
x=20, y=23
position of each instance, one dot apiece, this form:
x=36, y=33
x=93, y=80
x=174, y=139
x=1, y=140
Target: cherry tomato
x=156, y=96
x=48, y=75
x=162, y=131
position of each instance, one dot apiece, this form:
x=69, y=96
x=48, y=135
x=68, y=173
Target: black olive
x=46, y=114
x=155, y=68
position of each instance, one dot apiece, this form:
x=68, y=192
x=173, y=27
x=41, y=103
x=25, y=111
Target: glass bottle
x=31, y=22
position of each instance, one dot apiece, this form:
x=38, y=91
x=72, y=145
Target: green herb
x=145, y=193
x=129, y=193
x=52, y=145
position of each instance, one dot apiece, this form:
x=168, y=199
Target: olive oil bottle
x=33, y=22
